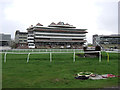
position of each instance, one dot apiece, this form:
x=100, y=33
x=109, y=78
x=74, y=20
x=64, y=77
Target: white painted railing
x=50, y=54
x=43, y=50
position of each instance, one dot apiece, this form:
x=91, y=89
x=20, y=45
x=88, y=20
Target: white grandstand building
x=58, y=35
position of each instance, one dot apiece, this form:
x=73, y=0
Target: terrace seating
x=22, y=47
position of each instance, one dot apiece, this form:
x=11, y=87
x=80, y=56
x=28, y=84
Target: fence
x=43, y=50
x=50, y=54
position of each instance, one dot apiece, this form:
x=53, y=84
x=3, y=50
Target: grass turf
x=40, y=73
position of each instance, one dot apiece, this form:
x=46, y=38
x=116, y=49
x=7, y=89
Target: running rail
x=5, y=56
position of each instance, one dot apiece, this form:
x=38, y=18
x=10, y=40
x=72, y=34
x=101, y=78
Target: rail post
x=74, y=57
x=50, y=57
x=99, y=56
x=5, y=57
x=107, y=57
x=28, y=58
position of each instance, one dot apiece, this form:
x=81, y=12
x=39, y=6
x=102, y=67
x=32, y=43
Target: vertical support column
x=107, y=57
x=50, y=57
x=84, y=54
x=74, y=50
x=5, y=57
x=99, y=56
x=28, y=58
x=74, y=57
x=1, y=71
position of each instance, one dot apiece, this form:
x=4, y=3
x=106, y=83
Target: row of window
x=55, y=43
x=22, y=40
x=55, y=39
x=60, y=35
x=62, y=32
x=31, y=45
x=69, y=29
x=30, y=35
x=22, y=37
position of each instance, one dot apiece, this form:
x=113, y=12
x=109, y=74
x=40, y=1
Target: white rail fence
x=50, y=54
x=43, y=50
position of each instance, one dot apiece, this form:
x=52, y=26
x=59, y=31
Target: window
x=25, y=40
x=31, y=44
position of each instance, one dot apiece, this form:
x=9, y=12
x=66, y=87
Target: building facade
x=5, y=39
x=108, y=41
x=58, y=35
x=21, y=39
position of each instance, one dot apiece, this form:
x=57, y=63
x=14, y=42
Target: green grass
x=60, y=73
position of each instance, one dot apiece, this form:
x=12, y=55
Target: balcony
x=30, y=40
x=30, y=37
x=42, y=33
x=60, y=37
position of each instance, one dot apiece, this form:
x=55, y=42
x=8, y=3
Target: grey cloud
x=108, y=17
x=10, y=27
x=7, y=26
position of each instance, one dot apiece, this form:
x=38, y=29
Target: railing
x=50, y=54
x=43, y=50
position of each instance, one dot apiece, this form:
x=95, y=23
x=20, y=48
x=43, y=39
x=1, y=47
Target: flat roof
x=64, y=26
x=54, y=28
x=113, y=35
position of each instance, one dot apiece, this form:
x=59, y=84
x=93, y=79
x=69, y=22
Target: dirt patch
x=80, y=55
x=57, y=80
x=91, y=55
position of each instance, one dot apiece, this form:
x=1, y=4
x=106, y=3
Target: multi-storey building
x=107, y=40
x=5, y=39
x=96, y=40
x=21, y=39
x=58, y=35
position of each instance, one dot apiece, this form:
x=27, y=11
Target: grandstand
x=58, y=35
x=107, y=41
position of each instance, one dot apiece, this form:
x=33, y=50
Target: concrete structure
x=58, y=35
x=21, y=39
x=107, y=41
x=5, y=39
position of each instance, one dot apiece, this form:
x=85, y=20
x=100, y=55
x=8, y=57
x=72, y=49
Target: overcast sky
x=98, y=16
